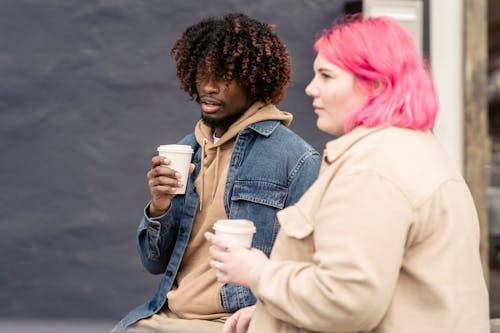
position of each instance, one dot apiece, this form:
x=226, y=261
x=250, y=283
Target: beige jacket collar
x=335, y=148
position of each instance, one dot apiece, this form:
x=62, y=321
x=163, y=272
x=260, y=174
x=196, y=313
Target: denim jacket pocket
x=260, y=192
x=259, y=201
x=295, y=223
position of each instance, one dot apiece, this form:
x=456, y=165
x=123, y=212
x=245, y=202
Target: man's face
x=221, y=103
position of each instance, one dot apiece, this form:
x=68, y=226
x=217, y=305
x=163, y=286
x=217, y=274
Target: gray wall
x=87, y=92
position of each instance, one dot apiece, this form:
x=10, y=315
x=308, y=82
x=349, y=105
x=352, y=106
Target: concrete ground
x=54, y=326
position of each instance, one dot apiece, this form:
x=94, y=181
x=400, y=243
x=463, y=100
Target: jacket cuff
x=153, y=228
x=154, y=222
x=157, y=218
x=235, y=297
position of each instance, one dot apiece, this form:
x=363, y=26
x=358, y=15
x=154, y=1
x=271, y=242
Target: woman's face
x=335, y=94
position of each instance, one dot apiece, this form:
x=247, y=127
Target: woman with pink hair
x=387, y=238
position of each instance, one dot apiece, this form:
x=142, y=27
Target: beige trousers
x=167, y=322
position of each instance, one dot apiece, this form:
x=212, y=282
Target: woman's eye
x=325, y=76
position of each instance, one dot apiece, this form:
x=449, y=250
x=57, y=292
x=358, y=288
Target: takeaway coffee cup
x=180, y=158
x=235, y=233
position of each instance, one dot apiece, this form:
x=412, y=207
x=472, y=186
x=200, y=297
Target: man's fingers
x=161, y=189
x=164, y=181
x=164, y=171
x=159, y=160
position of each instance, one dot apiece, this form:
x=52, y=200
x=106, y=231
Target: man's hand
x=239, y=321
x=163, y=182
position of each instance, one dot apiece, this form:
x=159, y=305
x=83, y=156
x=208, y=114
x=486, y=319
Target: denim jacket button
x=168, y=273
x=182, y=231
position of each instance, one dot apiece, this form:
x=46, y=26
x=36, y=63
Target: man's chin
x=210, y=121
x=224, y=122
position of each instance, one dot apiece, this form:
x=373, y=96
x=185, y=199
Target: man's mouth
x=210, y=104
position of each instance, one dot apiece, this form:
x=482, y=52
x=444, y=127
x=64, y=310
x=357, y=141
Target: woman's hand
x=233, y=262
x=239, y=321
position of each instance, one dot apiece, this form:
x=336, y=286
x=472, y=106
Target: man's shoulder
x=288, y=137
x=284, y=150
x=284, y=144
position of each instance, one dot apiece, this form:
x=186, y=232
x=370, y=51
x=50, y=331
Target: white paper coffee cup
x=180, y=159
x=235, y=233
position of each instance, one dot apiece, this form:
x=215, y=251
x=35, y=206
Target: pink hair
x=381, y=54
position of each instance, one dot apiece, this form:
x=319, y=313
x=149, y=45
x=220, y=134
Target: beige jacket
x=386, y=240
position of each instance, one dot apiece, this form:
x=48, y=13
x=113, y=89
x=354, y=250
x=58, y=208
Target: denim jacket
x=270, y=168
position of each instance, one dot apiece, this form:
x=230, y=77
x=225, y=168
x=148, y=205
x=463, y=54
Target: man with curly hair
x=246, y=165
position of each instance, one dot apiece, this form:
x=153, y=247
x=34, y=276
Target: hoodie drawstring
x=214, y=188
x=202, y=171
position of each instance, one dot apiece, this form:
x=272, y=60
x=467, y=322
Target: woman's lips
x=317, y=109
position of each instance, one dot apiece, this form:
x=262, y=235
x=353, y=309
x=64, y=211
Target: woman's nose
x=311, y=90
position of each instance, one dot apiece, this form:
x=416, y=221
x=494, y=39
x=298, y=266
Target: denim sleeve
x=235, y=297
x=303, y=175
x=155, y=237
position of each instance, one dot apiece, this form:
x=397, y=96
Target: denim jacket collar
x=265, y=127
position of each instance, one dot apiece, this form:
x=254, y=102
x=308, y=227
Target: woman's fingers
x=216, y=240
x=218, y=253
x=216, y=265
x=230, y=324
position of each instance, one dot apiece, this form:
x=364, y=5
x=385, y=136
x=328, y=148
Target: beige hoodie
x=197, y=294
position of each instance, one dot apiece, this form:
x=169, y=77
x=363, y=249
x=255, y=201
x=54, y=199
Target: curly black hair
x=235, y=47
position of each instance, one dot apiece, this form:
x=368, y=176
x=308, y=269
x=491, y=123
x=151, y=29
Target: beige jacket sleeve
x=358, y=231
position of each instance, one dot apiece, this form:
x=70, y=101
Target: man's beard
x=223, y=123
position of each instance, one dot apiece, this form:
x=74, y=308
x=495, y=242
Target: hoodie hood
x=257, y=112
x=204, y=136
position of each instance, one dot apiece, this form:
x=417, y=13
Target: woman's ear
x=378, y=87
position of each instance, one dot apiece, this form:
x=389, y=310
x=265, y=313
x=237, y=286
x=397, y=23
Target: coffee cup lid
x=235, y=226
x=175, y=148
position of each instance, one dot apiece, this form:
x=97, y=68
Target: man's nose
x=209, y=86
